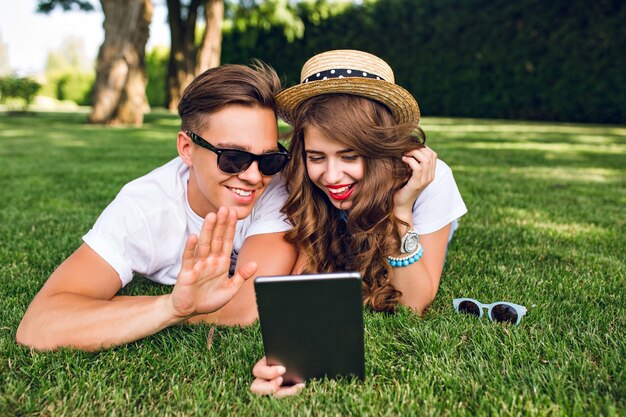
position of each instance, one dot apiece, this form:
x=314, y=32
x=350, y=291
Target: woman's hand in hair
x=423, y=162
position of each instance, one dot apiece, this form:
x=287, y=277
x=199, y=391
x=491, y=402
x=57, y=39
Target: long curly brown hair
x=370, y=234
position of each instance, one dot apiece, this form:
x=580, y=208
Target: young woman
x=365, y=193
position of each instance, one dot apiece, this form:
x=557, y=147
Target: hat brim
x=401, y=103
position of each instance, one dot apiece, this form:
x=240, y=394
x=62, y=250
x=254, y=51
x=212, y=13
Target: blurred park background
x=562, y=60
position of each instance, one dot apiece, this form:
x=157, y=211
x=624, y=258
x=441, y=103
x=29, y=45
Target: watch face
x=410, y=242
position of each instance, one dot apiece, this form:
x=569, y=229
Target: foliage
x=156, y=69
x=5, y=66
x=76, y=87
x=22, y=88
x=46, y=6
x=69, y=73
x=545, y=229
x=252, y=16
x=559, y=60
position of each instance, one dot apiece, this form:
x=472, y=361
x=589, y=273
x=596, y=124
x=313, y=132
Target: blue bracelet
x=410, y=259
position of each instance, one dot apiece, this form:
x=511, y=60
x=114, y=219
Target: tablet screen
x=312, y=324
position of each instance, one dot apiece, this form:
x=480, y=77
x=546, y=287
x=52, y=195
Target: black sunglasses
x=235, y=161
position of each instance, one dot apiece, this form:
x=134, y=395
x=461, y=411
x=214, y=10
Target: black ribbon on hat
x=341, y=73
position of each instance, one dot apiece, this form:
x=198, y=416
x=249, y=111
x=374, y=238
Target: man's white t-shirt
x=145, y=227
x=439, y=204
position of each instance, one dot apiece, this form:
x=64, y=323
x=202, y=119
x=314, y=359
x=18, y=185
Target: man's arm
x=77, y=306
x=274, y=256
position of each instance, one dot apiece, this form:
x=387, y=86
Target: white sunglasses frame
x=519, y=309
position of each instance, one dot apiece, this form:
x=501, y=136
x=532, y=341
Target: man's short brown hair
x=227, y=84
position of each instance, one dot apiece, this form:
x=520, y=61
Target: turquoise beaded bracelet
x=408, y=260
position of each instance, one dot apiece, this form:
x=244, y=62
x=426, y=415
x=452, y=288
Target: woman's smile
x=340, y=192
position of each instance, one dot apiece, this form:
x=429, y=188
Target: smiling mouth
x=241, y=192
x=341, y=192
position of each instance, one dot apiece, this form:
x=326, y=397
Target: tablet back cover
x=313, y=324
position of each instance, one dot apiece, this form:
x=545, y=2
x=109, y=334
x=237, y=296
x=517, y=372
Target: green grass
x=545, y=228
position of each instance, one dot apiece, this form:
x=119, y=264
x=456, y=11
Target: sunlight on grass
x=538, y=220
x=72, y=143
x=470, y=125
x=168, y=136
x=596, y=175
x=548, y=147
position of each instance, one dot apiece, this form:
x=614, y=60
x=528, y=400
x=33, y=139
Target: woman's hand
x=423, y=162
x=268, y=380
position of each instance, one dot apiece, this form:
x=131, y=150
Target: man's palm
x=203, y=285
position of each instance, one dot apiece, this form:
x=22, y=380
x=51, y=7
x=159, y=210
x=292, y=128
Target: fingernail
x=281, y=370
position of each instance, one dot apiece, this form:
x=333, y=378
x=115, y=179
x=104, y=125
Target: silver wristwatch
x=410, y=241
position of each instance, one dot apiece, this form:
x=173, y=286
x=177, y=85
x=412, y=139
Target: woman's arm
x=300, y=264
x=419, y=282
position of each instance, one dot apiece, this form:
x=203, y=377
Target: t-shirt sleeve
x=439, y=204
x=121, y=238
x=266, y=215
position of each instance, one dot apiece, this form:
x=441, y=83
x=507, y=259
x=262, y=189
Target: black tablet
x=312, y=324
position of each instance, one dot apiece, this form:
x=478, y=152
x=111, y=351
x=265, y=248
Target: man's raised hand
x=203, y=285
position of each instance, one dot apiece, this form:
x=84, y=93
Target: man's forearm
x=89, y=324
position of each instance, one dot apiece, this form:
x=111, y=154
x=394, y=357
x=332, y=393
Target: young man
x=177, y=226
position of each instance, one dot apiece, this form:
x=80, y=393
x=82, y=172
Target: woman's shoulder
x=443, y=180
x=440, y=203
x=443, y=176
x=442, y=168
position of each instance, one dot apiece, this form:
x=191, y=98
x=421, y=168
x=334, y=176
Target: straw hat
x=349, y=72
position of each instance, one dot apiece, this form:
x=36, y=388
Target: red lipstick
x=340, y=192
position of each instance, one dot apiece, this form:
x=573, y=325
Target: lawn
x=545, y=229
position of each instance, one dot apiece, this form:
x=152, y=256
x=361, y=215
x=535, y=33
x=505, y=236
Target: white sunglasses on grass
x=500, y=311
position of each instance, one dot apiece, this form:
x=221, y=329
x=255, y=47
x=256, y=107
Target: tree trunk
x=182, y=63
x=211, y=47
x=119, y=95
x=186, y=59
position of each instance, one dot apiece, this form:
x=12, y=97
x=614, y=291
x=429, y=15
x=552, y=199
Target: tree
x=5, y=67
x=120, y=88
x=119, y=91
x=187, y=59
x=70, y=55
x=69, y=72
x=265, y=15
x=20, y=88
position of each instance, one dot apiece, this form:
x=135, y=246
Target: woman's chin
x=340, y=204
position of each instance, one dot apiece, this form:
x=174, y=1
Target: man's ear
x=184, y=146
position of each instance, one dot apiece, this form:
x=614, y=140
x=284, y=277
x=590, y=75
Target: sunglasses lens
x=469, y=307
x=234, y=162
x=504, y=313
x=272, y=164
